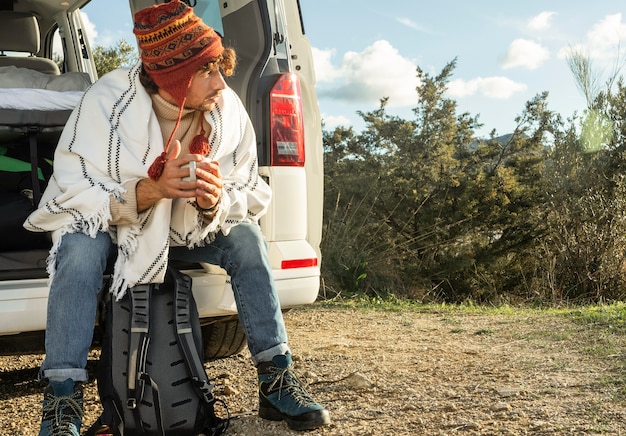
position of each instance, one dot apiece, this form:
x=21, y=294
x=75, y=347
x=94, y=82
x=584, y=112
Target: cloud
x=324, y=69
x=603, y=39
x=107, y=37
x=493, y=87
x=565, y=52
x=525, y=53
x=412, y=24
x=602, y=42
x=541, y=21
x=332, y=121
x=361, y=78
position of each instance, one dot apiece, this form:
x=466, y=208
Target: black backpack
x=151, y=378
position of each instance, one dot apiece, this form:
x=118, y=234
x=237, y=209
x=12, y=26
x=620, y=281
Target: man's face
x=205, y=89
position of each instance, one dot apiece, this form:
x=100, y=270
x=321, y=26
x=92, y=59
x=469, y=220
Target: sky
x=506, y=52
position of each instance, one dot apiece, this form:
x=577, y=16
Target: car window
x=209, y=11
x=58, y=54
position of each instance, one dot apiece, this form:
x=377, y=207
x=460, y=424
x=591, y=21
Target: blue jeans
x=80, y=265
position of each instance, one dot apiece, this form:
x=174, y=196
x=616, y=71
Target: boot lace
x=289, y=384
x=60, y=411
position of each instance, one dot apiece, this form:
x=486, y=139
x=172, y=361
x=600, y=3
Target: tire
x=223, y=339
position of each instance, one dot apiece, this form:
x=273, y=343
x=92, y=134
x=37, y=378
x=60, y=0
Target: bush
x=422, y=210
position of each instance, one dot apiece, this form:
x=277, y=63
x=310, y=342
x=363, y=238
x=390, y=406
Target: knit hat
x=174, y=44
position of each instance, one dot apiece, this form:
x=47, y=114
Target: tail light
x=299, y=263
x=286, y=122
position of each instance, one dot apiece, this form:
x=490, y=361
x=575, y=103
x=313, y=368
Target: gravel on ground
x=407, y=373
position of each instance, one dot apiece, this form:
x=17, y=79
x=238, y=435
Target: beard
x=203, y=105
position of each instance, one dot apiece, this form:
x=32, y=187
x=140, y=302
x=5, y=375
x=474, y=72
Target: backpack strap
x=195, y=366
x=34, y=165
x=139, y=341
x=137, y=375
x=185, y=336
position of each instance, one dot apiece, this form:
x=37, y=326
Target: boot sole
x=307, y=421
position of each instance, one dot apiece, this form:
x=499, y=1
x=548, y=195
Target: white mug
x=192, y=172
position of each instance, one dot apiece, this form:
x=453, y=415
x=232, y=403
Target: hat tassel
x=200, y=144
x=156, y=169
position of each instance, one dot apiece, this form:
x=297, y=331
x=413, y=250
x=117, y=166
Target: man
x=121, y=184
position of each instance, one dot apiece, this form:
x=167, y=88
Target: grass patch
x=482, y=332
x=611, y=317
x=606, y=327
x=393, y=304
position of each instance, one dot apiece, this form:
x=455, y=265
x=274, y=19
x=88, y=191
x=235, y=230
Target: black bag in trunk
x=14, y=209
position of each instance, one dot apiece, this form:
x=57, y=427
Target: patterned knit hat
x=174, y=45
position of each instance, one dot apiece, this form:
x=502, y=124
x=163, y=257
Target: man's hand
x=207, y=188
x=171, y=183
x=208, y=183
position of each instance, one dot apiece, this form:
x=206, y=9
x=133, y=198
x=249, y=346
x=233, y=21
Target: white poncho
x=111, y=138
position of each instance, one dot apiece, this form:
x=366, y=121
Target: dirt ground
x=410, y=373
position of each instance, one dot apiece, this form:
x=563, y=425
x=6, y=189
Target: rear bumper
x=214, y=295
x=23, y=303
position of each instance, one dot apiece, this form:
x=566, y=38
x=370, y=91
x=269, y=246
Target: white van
x=38, y=89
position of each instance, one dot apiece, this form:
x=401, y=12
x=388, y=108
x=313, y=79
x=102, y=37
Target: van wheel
x=223, y=339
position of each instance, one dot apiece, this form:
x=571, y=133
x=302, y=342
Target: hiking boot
x=283, y=396
x=62, y=409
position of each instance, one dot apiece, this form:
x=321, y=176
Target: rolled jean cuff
x=60, y=375
x=267, y=355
